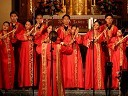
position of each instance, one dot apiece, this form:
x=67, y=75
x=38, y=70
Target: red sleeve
x=39, y=39
x=20, y=36
x=112, y=42
x=79, y=40
x=101, y=38
x=59, y=31
x=102, y=27
x=86, y=38
x=19, y=28
x=38, y=49
x=0, y=42
x=66, y=50
x=42, y=31
x=114, y=33
x=60, y=34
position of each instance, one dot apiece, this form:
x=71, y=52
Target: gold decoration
x=94, y=10
x=85, y=8
x=31, y=10
x=76, y=7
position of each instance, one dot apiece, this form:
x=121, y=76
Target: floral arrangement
x=49, y=7
x=110, y=6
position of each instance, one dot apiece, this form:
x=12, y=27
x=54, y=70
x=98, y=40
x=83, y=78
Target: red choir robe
x=7, y=64
x=118, y=59
x=108, y=34
x=16, y=47
x=45, y=84
x=94, y=65
x=62, y=33
x=27, y=68
x=72, y=65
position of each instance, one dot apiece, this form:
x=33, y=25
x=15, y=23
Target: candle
x=89, y=24
x=94, y=2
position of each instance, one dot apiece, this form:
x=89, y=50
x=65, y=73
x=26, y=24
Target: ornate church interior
x=51, y=69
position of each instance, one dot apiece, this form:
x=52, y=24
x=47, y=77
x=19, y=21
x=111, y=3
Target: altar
x=82, y=21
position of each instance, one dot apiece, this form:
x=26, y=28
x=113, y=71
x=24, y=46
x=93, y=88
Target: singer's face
x=13, y=18
x=109, y=20
x=28, y=25
x=119, y=33
x=49, y=29
x=5, y=27
x=73, y=30
x=39, y=19
x=66, y=20
x=96, y=26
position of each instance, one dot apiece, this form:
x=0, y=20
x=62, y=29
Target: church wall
x=5, y=8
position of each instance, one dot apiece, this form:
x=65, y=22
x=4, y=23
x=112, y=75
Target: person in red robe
x=119, y=59
x=94, y=65
x=27, y=69
x=51, y=79
x=7, y=57
x=109, y=30
x=14, y=24
x=65, y=28
x=38, y=32
x=72, y=64
x=41, y=26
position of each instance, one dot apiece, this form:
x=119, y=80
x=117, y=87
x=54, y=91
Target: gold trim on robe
x=6, y=41
x=59, y=72
x=31, y=66
x=98, y=66
x=44, y=70
x=76, y=64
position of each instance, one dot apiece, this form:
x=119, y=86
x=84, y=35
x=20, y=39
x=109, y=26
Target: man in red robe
x=39, y=31
x=109, y=30
x=14, y=24
x=41, y=26
x=72, y=64
x=65, y=28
